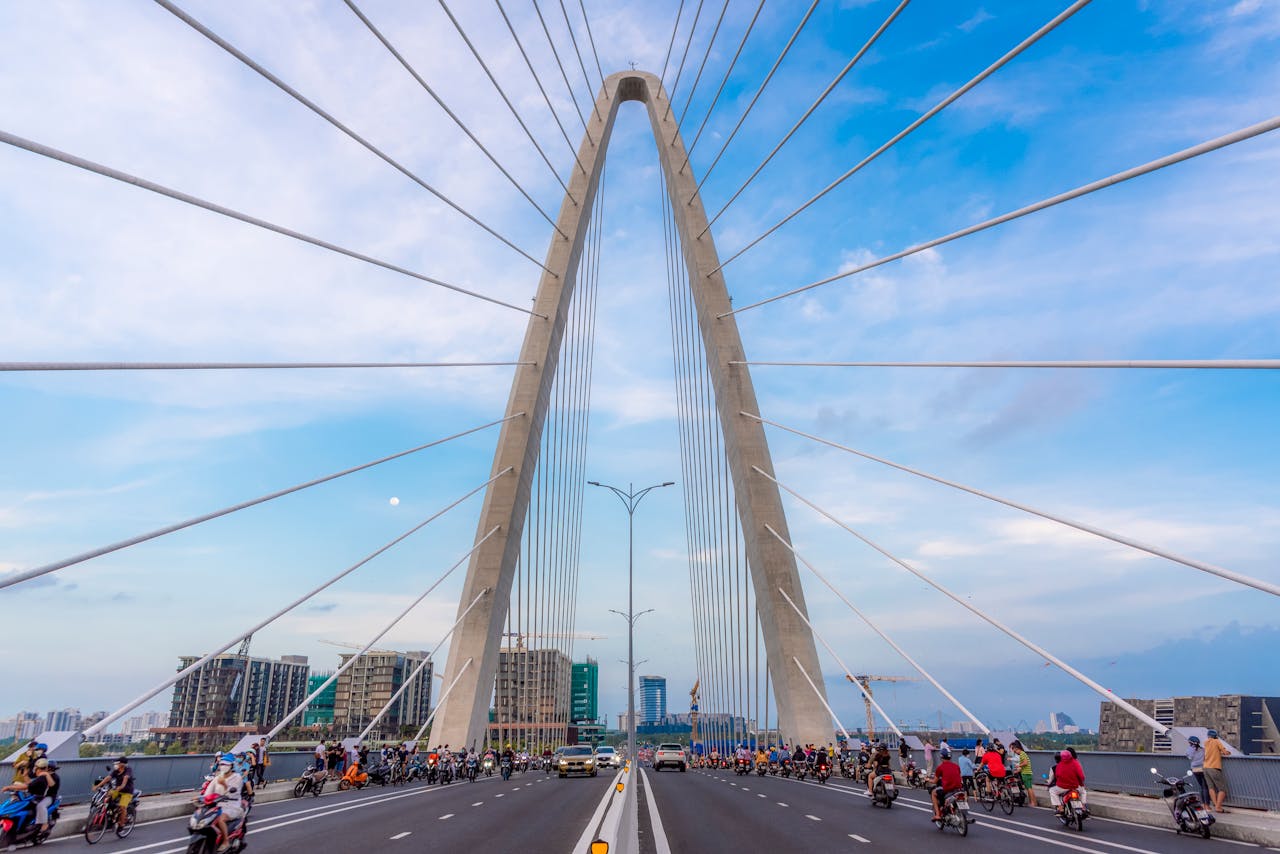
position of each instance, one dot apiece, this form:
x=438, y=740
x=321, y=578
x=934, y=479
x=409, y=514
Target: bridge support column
x=801, y=714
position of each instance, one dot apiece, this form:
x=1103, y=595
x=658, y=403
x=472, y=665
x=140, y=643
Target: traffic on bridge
x=929, y=347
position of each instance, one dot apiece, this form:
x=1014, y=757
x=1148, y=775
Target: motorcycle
x=846, y=769
x=18, y=820
x=380, y=774
x=1188, y=812
x=472, y=769
x=1073, y=812
x=762, y=768
x=884, y=791
x=506, y=769
x=311, y=781
x=914, y=776
x=353, y=779
x=822, y=772
x=488, y=766
x=742, y=767
x=204, y=835
x=786, y=768
x=955, y=814
x=801, y=769
x=446, y=772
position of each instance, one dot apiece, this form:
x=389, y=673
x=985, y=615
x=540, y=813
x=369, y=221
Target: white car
x=607, y=757
x=670, y=756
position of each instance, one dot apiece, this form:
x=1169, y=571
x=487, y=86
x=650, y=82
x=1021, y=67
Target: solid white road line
x=402, y=835
x=655, y=820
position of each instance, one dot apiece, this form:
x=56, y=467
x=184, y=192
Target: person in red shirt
x=1068, y=774
x=947, y=776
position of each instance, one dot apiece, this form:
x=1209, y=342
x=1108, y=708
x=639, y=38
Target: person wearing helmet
x=120, y=788
x=948, y=778
x=23, y=765
x=43, y=787
x=1067, y=774
x=1195, y=755
x=228, y=782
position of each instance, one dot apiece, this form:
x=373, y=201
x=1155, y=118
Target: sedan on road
x=607, y=757
x=578, y=759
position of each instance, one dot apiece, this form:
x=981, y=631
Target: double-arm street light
x=631, y=500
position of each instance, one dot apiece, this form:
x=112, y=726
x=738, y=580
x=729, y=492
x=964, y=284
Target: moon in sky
x=394, y=501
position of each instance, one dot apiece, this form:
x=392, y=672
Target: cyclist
x=994, y=767
x=879, y=765
x=120, y=787
x=948, y=779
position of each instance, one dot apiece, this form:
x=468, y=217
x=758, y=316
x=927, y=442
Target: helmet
x=1195, y=739
x=43, y=746
x=227, y=758
x=53, y=766
x=1213, y=733
x=42, y=763
x=1066, y=754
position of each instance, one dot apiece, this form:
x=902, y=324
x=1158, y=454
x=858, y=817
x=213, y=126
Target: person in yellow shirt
x=1214, y=750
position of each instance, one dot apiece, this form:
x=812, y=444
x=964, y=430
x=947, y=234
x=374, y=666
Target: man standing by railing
x=1214, y=751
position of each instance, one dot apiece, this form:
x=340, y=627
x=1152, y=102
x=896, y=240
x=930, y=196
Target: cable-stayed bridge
x=753, y=632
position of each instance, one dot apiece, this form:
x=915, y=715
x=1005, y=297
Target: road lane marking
x=781, y=804
x=402, y=835
x=762, y=796
x=477, y=803
x=812, y=817
x=658, y=832
x=588, y=832
x=446, y=815
x=859, y=838
x=500, y=796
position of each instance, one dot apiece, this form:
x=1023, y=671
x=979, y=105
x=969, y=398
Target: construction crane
x=865, y=682
x=357, y=647
x=520, y=636
x=693, y=712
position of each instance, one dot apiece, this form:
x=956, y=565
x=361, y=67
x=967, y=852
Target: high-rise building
x=369, y=684
x=233, y=695
x=1059, y=721
x=1248, y=722
x=531, y=697
x=66, y=720
x=584, y=700
x=653, y=699
x=320, y=710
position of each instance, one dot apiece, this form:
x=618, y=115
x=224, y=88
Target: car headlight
x=590, y=761
x=564, y=761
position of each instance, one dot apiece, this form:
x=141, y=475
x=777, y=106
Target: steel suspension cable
x=848, y=674
x=12, y=578
x=422, y=665
x=720, y=91
x=234, y=366
x=1105, y=693
x=443, y=696
x=697, y=15
x=533, y=72
x=751, y=104
x=502, y=93
x=1194, y=364
x=937, y=108
x=449, y=112
x=573, y=39
x=675, y=28
x=201, y=662
x=1230, y=575
x=563, y=76
x=391, y=625
x=142, y=183
x=190, y=21
x=875, y=628
x=592, y=39
x=1084, y=190
x=701, y=68
x=897, y=10
x=820, y=697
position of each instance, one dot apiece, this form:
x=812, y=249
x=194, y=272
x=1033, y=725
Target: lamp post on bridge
x=631, y=500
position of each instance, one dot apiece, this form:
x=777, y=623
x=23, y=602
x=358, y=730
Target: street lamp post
x=631, y=500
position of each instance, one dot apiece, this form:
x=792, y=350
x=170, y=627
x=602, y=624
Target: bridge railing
x=158, y=774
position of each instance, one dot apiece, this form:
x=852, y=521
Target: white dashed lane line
x=477, y=803
x=402, y=835
x=781, y=804
x=859, y=838
x=762, y=796
x=446, y=815
x=812, y=817
x=499, y=796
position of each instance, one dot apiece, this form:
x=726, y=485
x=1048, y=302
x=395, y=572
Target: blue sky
x=1180, y=264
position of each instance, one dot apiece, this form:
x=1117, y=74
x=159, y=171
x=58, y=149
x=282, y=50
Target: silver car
x=607, y=757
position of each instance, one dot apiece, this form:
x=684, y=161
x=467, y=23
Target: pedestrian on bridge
x=1214, y=751
x=1195, y=755
x=928, y=756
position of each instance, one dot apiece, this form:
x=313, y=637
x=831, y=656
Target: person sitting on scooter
x=43, y=787
x=226, y=782
x=879, y=766
x=1067, y=775
x=120, y=785
x=948, y=779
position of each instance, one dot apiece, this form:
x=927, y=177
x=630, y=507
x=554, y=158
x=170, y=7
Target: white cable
x=443, y=697
x=821, y=698
x=1199, y=364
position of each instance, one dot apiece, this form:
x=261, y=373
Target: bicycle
x=103, y=814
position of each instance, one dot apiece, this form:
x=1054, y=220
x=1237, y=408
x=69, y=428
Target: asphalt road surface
x=532, y=812
x=717, y=811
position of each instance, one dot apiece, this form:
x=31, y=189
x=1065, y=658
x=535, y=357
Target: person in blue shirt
x=773, y=755
x=966, y=769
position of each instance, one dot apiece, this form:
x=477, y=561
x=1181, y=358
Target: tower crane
x=865, y=682
x=520, y=636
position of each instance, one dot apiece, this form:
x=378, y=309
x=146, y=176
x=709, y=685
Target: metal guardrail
x=1252, y=781
x=158, y=774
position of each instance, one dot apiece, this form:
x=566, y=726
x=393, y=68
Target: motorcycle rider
x=742, y=754
x=120, y=786
x=948, y=779
x=43, y=787
x=1068, y=774
x=226, y=781
x=879, y=765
